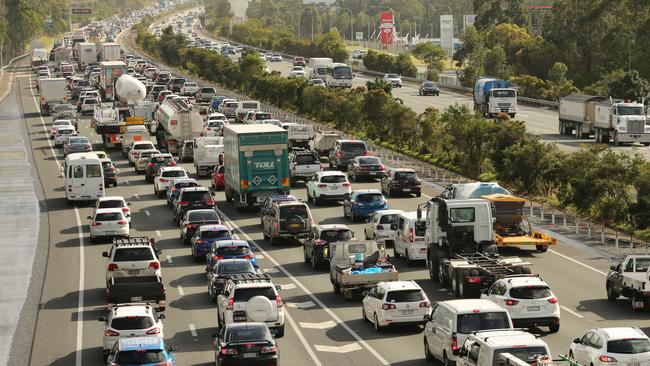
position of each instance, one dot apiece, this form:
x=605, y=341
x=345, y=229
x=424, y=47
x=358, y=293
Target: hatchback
x=205, y=237
x=395, y=302
x=363, y=203
x=230, y=249
x=612, y=346
x=108, y=223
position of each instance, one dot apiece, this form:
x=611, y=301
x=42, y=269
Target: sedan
x=363, y=203
x=251, y=340
x=77, y=144
x=58, y=124
x=428, y=88
x=194, y=219
x=108, y=223
x=394, y=80
x=205, y=237
x=143, y=159
x=63, y=134
x=276, y=57
x=110, y=172
x=365, y=167
x=230, y=249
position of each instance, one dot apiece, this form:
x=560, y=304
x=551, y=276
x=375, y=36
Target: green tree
x=495, y=63
x=631, y=86
x=433, y=56
x=492, y=12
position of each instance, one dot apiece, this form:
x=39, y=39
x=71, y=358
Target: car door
x=222, y=302
x=582, y=350
x=368, y=302
x=399, y=236
x=433, y=333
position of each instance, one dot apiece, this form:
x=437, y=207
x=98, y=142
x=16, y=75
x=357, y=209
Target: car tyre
x=314, y=262
x=378, y=328
x=611, y=295
x=304, y=255
x=336, y=287
x=554, y=328
x=280, y=332
x=427, y=352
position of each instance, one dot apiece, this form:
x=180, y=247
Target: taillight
x=217, y=257
x=163, y=180
x=366, y=153
x=210, y=202
x=190, y=226
x=231, y=304
x=511, y=302
x=322, y=186
x=153, y=331
x=346, y=184
x=380, y=227
x=604, y=358
x=111, y=333
x=474, y=280
x=183, y=203
x=425, y=304
x=228, y=351
x=200, y=241
x=95, y=223
x=173, y=163
x=150, y=164
x=249, y=256
x=454, y=342
x=112, y=267
x=278, y=301
x=411, y=235
x=339, y=154
x=388, y=306
x=276, y=225
x=154, y=265
x=552, y=300
x=125, y=209
x=269, y=350
x=122, y=222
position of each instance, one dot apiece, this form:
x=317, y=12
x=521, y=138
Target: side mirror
x=161, y=316
x=278, y=288
x=159, y=251
x=419, y=213
x=613, y=267
x=393, y=226
x=105, y=254
x=89, y=217
x=214, y=335
x=576, y=340
x=367, y=219
x=173, y=349
x=427, y=317
x=128, y=204
x=102, y=319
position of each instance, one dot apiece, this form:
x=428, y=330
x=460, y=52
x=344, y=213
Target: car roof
x=366, y=191
x=470, y=305
x=145, y=151
x=231, y=260
x=411, y=214
x=388, y=212
x=622, y=332
x=141, y=343
x=333, y=227
x=215, y=227
x=142, y=143
x=123, y=310
x=409, y=170
x=528, y=280
x=195, y=189
x=346, y=140
x=171, y=168
x=400, y=285
x=111, y=198
x=108, y=210
x=283, y=198
x=331, y=172
x=508, y=338
x=183, y=180
x=232, y=243
x=245, y=325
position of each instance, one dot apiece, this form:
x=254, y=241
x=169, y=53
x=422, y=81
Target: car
x=63, y=133
x=205, y=93
x=255, y=116
x=77, y=144
x=528, y=299
x=163, y=77
x=365, y=167
x=328, y=185
x=285, y=220
x=192, y=198
x=110, y=172
x=141, y=351
x=317, y=82
x=299, y=61
x=176, y=186
x=429, y=88
x=276, y=57
x=175, y=84
x=401, y=180
x=189, y=88
x=213, y=128
x=343, y=151
x=114, y=202
x=362, y=203
x=451, y=322
x=268, y=56
x=218, y=177
x=250, y=341
x=142, y=159
x=294, y=74
x=396, y=302
x=163, y=95
x=125, y=321
x=409, y=237
x=303, y=164
x=163, y=179
x=193, y=219
x=218, y=272
x=381, y=226
x=216, y=101
x=275, y=122
x=88, y=105
x=316, y=248
x=251, y=298
x=489, y=347
x=132, y=257
x=609, y=346
x=156, y=162
x=205, y=236
x=230, y=249
x=108, y=223
x=135, y=149
x=358, y=54
x=58, y=124
x=393, y=79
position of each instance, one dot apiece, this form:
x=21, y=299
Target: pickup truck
x=358, y=265
x=630, y=278
x=205, y=94
x=140, y=289
x=300, y=135
x=303, y=164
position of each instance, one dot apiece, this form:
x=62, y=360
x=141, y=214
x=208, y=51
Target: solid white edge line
x=338, y=320
x=577, y=262
x=571, y=311
x=80, y=305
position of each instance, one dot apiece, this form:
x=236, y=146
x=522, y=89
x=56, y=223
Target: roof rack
x=249, y=277
x=134, y=240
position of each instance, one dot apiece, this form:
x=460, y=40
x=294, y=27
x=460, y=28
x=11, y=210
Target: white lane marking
x=193, y=330
x=82, y=259
x=301, y=305
x=346, y=348
x=288, y=286
x=571, y=311
x=311, y=295
x=126, y=182
x=271, y=270
x=146, y=212
x=259, y=256
x=577, y=262
x=180, y=290
x=158, y=233
x=324, y=325
x=169, y=259
x=137, y=196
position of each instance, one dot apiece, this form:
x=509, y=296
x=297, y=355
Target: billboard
x=447, y=33
x=387, y=28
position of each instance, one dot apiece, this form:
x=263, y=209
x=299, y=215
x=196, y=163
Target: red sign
x=386, y=27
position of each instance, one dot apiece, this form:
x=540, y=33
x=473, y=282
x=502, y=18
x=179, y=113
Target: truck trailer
x=52, y=91
x=177, y=122
x=86, y=54
x=109, y=51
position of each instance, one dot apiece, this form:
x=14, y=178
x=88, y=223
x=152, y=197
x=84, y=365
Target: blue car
x=141, y=351
x=364, y=202
x=207, y=235
x=216, y=101
x=230, y=249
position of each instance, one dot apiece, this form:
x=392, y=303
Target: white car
x=528, y=300
x=297, y=74
x=63, y=134
x=163, y=179
x=328, y=185
x=138, y=146
x=108, y=223
x=393, y=79
x=379, y=226
x=275, y=122
x=612, y=346
x=130, y=320
x=394, y=302
x=189, y=88
x=114, y=202
x=213, y=128
x=58, y=124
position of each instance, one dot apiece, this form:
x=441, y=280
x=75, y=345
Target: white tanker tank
x=130, y=89
x=177, y=122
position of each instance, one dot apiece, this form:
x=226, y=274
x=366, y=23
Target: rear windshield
x=388, y=219
x=162, y=160
x=215, y=234
x=196, y=196
x=173, y=173
x=109, y=216
x=333, y=179
x=420, y=227
x=535, y=292
x=262, y=116
x=236, y=267
x=139, y=357
x=468, y=323
x=245, y=294
x=203, y=216
x=146, y=154
x=369, y=161
x=353, y=146
x=111, y=204
x=405, y=175
x=132, y=322
x=405, y=296
x=231, y=104
x=287, y=212
x=628, y=346
x=90, y=100
x=186, y=185
x=78, y=140
x=370, y=197
x=132, y=254
x=233, y=250
x=208, y=90
x=336, y=235
x=306, y=159
x=93, y=171
x=301, y=128
x=527, y=354
x=143, y=147
x=248, y=334
x=249, y=105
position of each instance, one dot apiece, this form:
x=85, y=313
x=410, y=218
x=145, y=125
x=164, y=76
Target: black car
x=401, y=180
x=155, y=163
x=218, y=274
x=192, y=198
x=429, y=88
x=193, y=219
x=365, y=167
x=245, y=344
x=110, y=173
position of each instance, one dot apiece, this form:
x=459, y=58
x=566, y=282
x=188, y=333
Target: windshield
x=247, y=333
x=342, y=72
x=333, y=179
x=629, y=111
x=369, y=161
x=628, y=346
x=111, y=204
x=353, y=146
x=233, y=250
x=468, y=323
x=370, y=197
x=529, y=293
x=405, y=296
x=215, y=234
x=143, y=147
x=336, y=235
x=139, y=357
x=503, y=93
x=428, y=85
x=132, y=322
x=294, y=210
x=458, y=215
x=392, y=76
x=132, y=254
x=405, y=175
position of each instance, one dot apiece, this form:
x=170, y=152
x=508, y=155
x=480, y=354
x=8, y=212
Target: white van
x=133, y=133
x=84, y=177
x=451, y=322
x=409, y=237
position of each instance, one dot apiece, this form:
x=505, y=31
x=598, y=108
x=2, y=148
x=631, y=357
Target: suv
x=395, y=302
x=193, y=219
x=606, y=346
x=493, y=347
x=175, y=84
x=365, y=167
x=218, y=272
x=316, y=249
x=192, y=198
x=299, y=61
x=251, y=298
x=130, y=320
x=344, y=151
x=328, y=185
x=157, y=161
x=401, y=181
x=286, y=220
x=303, y=164
x=132, y=257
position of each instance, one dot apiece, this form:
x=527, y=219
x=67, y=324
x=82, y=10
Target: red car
x=218, y=177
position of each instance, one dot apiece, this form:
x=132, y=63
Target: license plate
x=240, y=318
x=533, y=308
x=423, y=250
x=250, y=355
x=295, y=226
x=407, y=189
x=85, y=197
x=136, y=298
x=134, y=272
x=408, y=312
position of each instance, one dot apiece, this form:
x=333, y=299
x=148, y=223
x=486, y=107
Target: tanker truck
x=177, y=122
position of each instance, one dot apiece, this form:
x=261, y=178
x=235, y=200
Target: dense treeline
x=607, y=186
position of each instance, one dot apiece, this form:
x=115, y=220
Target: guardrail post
x=577, y=225
x=631, y=242
x=588, y=229
x=563, y=219
x=553, y=217
x=531, y=208
x=602, y=234
x=541, y=212
x=616, y=238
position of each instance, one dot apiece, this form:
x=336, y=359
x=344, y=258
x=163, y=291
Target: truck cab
x=623, y=121
x=494, y=96
x=630, y=278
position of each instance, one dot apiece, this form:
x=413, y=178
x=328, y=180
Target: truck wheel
x=454, y=283
x=560, y=127
x=611, y=294
x=378, y=328
x=616, y=142
x=427, y=352
x=337, y=288
x=490, y=249
x=280, y=332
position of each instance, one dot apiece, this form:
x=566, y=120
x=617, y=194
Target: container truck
x=494, y=96
x=39, y=58
x=78, y=36
x=318, y=67
x=52, y=91
x=177, y=122
x=622, y=121
x=109, y=51
x=109, y=72
x=86, y=54
x=257, y=163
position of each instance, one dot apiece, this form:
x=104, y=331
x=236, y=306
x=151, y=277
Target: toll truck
x=494, y=96
x=256, y=163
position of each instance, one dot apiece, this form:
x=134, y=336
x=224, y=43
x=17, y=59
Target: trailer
x=577, y=113
x=109, y=51
x=86, y=54
x=52, y=91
